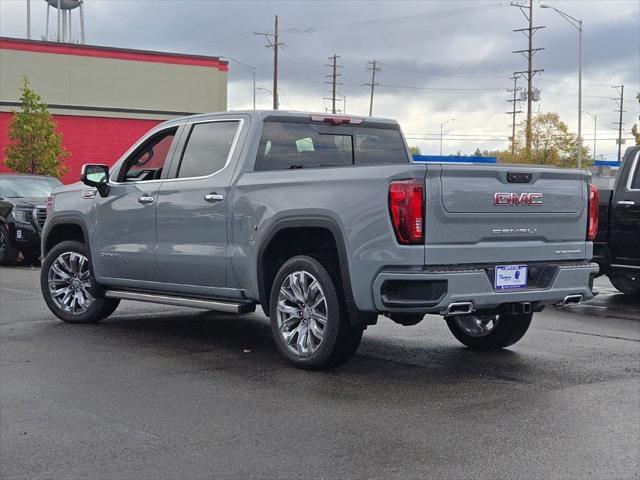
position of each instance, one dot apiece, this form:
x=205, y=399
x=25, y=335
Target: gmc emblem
x=529, y=199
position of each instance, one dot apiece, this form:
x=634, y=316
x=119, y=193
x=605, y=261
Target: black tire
x=626, y=284
x=509, y=329
x=8, y=252
x=100, y=307
x=340, y=339
x=31, y=258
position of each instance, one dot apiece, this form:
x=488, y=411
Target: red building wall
x=87, y=139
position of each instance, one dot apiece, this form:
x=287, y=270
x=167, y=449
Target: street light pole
x=576, y=23
x=441, y=127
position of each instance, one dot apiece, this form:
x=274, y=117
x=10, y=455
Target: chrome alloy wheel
x=302, y=313
x=69, y=282
x=477, y=325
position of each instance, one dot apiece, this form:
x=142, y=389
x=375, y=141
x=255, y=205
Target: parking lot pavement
x=160, y=392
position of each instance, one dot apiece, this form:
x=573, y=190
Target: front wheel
x=68, y=286
x=8, y=252
x=309, y=319
x=489, y=332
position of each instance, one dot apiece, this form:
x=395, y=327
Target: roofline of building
x=58, y=48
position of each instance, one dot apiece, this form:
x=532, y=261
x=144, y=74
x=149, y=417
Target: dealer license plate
x=511, y=276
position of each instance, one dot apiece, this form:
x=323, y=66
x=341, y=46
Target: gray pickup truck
x=324, y=221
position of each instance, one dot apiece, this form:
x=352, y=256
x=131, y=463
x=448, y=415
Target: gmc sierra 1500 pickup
x=323, y=221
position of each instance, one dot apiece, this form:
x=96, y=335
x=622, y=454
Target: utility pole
x=529, y=73
x=620, y=102
x=513, y=113
x=273, y=39
x=375, y=67
x=334, y=77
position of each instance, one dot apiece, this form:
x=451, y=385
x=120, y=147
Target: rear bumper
x=404, y=291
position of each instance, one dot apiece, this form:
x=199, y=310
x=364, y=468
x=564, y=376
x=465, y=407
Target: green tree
x=34, y=145
x=551, y=144
x=634, y=131
x=477, y=153
x=415, y=150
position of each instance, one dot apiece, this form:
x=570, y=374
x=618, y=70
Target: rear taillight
x=406, y=207
x=49, y=205
x=592, y=223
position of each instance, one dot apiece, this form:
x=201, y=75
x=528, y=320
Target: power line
x=373, y=68
x=443, y=89
x=382, y=22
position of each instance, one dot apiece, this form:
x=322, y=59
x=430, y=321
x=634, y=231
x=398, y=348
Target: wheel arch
x=62, y=228
x=295, y=225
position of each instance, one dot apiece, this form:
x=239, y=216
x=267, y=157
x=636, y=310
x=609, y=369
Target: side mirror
x=96, y=176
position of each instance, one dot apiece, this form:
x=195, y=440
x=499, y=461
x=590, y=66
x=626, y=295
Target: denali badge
x=514, y=231
x=529, y=199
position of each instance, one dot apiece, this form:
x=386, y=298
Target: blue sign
x=606, y=163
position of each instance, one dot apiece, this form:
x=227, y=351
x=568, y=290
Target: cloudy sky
x=439, y=59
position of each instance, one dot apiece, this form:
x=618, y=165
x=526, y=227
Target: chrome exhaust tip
x=572, y=300
x=459, y=308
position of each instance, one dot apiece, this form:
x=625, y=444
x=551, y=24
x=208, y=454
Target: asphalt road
x=159, y=392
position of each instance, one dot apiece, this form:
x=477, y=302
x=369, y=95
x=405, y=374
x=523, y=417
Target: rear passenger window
x=379, y=146
x=287, y=145
x=207, y=148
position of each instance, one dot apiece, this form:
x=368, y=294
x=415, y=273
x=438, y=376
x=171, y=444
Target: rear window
x=298, y=145
x=289, y=145
x=379, y=146
x=207, y=148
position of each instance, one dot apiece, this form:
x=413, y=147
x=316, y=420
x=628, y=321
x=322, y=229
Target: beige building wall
x=112, y=87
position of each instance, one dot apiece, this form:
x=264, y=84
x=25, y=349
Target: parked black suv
x=23, y=210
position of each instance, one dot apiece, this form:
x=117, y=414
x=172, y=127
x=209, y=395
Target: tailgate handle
x=518, y=177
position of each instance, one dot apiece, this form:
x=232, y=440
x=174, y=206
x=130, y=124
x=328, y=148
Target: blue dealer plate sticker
x=511, y=276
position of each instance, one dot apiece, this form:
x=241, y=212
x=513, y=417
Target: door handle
x=146, y=199
x=626, y=202
x=213, y=197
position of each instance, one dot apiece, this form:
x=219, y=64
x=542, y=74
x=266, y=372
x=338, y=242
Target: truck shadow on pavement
x=212, y=342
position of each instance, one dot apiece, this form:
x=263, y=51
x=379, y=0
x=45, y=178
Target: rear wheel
x=309, y=319
x=69, y=288
x=8, y=252
x=489, y=332
x=626, y=284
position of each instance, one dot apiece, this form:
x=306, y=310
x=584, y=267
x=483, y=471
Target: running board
x=228, y=307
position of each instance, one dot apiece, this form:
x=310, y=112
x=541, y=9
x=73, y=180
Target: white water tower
x=65, y=8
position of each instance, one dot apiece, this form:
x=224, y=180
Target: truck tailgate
x=498, y=214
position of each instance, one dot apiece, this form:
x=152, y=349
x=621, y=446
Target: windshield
x=17, y=187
